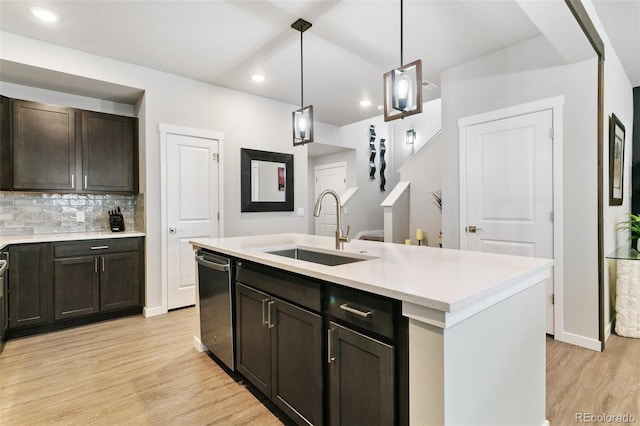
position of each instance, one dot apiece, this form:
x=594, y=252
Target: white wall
x=364, y=211
x=516, y=75
x=179, y=101
x=426, y=125
x=425, y=174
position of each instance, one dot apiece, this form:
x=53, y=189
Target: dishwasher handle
x=212, y=265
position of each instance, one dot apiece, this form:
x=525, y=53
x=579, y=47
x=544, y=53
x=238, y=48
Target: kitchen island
x=476, y=321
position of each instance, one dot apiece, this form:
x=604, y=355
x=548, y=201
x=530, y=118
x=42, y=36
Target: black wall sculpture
x=372, y=149
x=383, y=164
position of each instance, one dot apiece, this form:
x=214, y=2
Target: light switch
x=300, y=211
x=80, y=217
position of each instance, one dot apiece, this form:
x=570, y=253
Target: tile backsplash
x=39, y=213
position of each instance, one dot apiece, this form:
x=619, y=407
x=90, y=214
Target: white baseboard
x=198, y=344
x=577, y=340
x=546, y=423
x=607, y=332
x=152, y=312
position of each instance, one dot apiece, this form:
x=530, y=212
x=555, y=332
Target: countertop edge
x=70, y=236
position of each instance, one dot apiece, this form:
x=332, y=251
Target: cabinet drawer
x=367, y=311
x=303, y=291
x=95, y=247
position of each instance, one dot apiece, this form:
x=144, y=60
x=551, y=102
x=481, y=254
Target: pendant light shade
x=303, y=117
x=303, y=125
x=403, y=87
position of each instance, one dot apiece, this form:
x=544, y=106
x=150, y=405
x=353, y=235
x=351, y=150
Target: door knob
x=473, y=229
x=173, y=230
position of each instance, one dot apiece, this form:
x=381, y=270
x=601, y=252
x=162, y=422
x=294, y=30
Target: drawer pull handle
x=265, y=321
x=330, y=356
x=99, y=247
x=363, y=314
x=270, y=319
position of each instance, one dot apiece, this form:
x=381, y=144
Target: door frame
x=555, y=105
x=164, y=130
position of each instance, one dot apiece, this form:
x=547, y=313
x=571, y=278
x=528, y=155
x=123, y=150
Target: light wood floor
x=130, y=371
x=137, y=371
x=583, y=381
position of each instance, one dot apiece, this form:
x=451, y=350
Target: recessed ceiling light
x=365, y=103
x=258, y=78
x=44, y=14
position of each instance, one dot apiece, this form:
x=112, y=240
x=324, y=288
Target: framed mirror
x=266, y=181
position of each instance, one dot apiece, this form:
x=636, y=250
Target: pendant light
x=403, y=86
x=303, y=117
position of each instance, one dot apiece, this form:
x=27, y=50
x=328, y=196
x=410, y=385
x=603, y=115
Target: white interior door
x=192, y=209
x=330, y=176
x=509, y=189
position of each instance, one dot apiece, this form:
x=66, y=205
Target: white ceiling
x=351, y=44
x=621, y=20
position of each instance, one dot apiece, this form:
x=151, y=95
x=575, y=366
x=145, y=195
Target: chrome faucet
x=340, y=239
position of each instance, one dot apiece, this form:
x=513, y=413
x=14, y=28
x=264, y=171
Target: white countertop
x=442, y=279
x=69, y=236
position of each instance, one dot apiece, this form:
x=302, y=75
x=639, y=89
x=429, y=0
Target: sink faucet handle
x=345, y=238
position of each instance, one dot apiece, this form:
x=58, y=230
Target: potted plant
x=632, y=224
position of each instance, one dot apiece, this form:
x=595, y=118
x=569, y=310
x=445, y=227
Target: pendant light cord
x=301, y=74
x=401, y=31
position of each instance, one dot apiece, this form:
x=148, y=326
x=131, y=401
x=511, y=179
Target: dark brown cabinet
x=322, y=352
x=109, y=154
x=77, y=287
x=119, y=281
x=279, y=350
x=30, y=284
x=361, y=379
x=52, y=148
x=96, y=276
x=43, y=148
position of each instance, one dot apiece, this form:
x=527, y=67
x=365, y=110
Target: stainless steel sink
x=323, y=258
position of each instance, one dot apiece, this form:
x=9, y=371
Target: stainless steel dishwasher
x=214, y=292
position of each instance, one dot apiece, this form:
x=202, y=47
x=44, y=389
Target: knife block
x=116, y=222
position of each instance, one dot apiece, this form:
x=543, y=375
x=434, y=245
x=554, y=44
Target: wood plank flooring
x=598, y=383
x=130, y=371
x=137, y=371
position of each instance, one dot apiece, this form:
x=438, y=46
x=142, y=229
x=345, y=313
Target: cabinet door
x=109, y=153
x=253, y=342
x=361, y=379
x=119, y=281
x=296, y=362
x=77, y=287
x=44, y=147
x=30, y=282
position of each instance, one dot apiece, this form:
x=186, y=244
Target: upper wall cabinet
x=109, y=157
x=41, y=147
x=51, y=148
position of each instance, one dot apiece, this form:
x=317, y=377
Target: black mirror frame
x=246, y=155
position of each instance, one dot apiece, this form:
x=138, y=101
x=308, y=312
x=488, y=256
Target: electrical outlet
x=80, y=217
x=300, y=211
x=345, y=210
